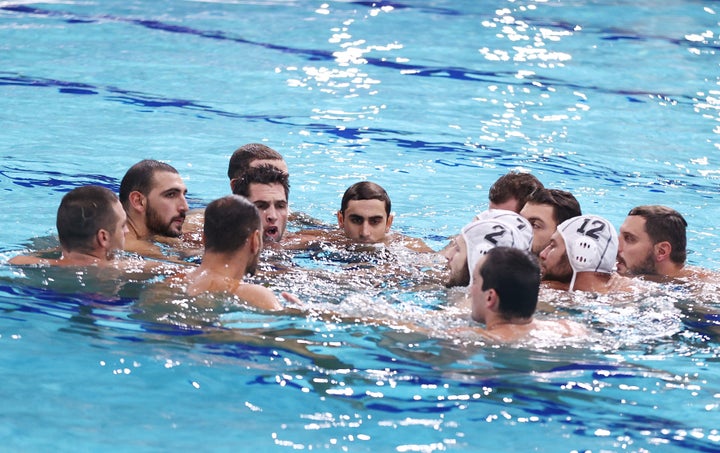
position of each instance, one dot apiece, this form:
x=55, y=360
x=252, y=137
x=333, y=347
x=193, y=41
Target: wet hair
x=365, y=190
x=82, y=213
x=264, y=174
x=514, y=274
x=229, y=222
x=242, y=158
x=565, y=205
x=514, y=185
x=665, y=224
x=140, y=178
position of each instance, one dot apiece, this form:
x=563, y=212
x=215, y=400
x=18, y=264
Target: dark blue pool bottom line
x=453, y=73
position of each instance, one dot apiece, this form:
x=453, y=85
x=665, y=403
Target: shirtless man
x=248, y=156
x=652, y=243
x=505, y=292
x=545, y=209
x=365, y=217
x=233, y=242
x=153, y=196
x=268, y=189
x=91, y=225
x=581, y=256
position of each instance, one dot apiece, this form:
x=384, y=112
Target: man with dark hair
x=233, y=243
x=512, y=278
x=254, y=155
x=250, y=155
x=153, y=195
x=653, y=243
x=91, y=225
x=364, y=218
x=364, y=213
x=512, y=189
x=505, y=292
x=268, y=189
x=545, y=209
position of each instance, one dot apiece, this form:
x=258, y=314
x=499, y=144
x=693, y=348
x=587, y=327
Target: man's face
x=277, y=163
x=456, y=255
x=117, y=236
x=479, y=297
x=510, y=205
x=272, y=203
x=365, y=221
x=636, y=252
x=554, y=262
x=543, y=224
x=166, y=204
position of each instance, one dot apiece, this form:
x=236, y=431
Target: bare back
x=548, y=330
x=202, y=281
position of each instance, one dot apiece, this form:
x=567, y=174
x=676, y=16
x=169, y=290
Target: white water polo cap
x=591, y=244
x=482, y=235
x=521, y=225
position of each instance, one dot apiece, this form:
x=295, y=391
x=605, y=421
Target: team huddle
x=529, y=237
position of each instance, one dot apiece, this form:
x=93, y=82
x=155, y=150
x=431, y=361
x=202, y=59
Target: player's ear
x=137, y=201
x=234, y=183
x=662, y=251
x=492, y=300
x=256, y=243
x=103, y=238
x=389, y=222
x=340, y=219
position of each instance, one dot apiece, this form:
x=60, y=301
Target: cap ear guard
x=481, y=236
x=522, y=232
x=584, y=252
x=483, y=249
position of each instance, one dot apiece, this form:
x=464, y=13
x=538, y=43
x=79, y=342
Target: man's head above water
x=153, y=196
x=511, y=190
x=364, y=214
x=545, y=209
x=652, y=242
x=268, y=189
x=493, y=228
x=583, y=247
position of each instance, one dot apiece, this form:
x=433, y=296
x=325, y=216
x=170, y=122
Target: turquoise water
x=617, y=102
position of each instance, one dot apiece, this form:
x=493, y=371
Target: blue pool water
x=618, y=102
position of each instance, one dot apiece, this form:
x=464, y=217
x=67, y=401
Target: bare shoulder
x=414, y=244
x=553, y=284
x=620, y=283
x=146, y=269
x=28, y=260
x=143, y=248
x=258, y=296
x=703, y=275
x=560, y=327
x=173, y=250
x=472, y=333
x=311, y=238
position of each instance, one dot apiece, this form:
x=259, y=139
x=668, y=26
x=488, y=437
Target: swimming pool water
x=617, y=102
